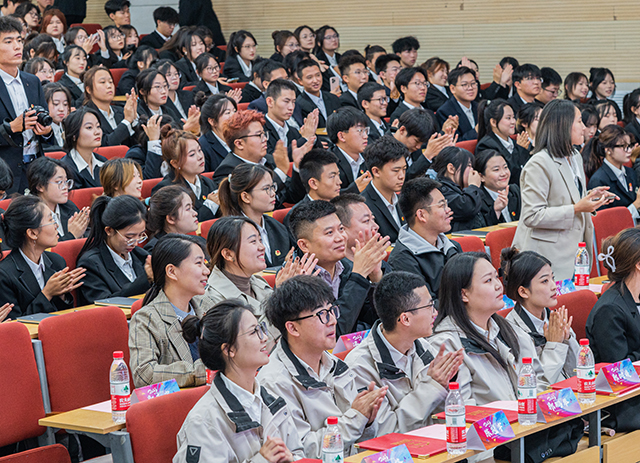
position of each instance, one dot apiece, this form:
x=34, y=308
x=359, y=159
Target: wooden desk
x=491, y=228
x=82, y=420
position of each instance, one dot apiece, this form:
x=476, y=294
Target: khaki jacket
x=158, y=350
x=558, y=359
x=548, y=224
x=219, y=429
x=411, y=399
x=312, y=399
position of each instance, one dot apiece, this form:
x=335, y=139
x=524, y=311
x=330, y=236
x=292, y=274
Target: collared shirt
x=76, y=81
x=36, y=269
x=410, y=106
x=179, y=107
x=378, y=126
x=622, y=177
x=81, y=164
x=282, y=131
x=491, y=334
x=222, y=142
x=213, y=88
x=442, y=89
x=197, y=191
x=262, y=162
x=333, y=61
x=505, y=211
x=252, y=403
x=374, y=75
x=354, y=164
x=508, y=143
x=402, y=361
x=162, y=36
x=111, y=119
x=319, y=102
x=20, y=102
x=264, y=236
x=335, y=282
x=353, y=94
x=391, y=206
x=181, y=314
x=469, y=113
x=58, y=133
x=537, y=323
x=246, y=70
x=60, y=44
x=58, y=220
x=126, y=265
x=324, y=373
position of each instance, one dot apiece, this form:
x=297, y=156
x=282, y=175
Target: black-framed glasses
x=625, y=147
x=384, y=100
x=264, y=136
x=260, y=330
x=324, y=315
x=431, y=305
x=270, y=189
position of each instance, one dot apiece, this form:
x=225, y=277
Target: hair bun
x=274, y=34
x=167, y=131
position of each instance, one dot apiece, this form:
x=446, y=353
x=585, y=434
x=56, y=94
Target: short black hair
x=275, y=88
x=305, y=215
x=365, y=93
x=509, y=60
x=405, y=44
x=141, y=55
x=297, y=295
x=266, y=67
x=304, y=64
x=418, y=122
x=406, y=74
x=394, y=295
x=6, y=175
x=9, y=24
x=550, y=77
x=371, y=50
x=41, y=171
x=342, y=203
x=384, y=150
x=456, y=74
x=69, y=52
x=526, y=70
x=312, y=165
x=202, y=61
x=416, y=193
x=349, y=60
x=166, y=14
x=460, y=158
x=342, y=120
x=73, y=123
x=113, y=6
x=384, y=60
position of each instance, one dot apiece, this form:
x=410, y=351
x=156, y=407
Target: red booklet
x=474, y=414
x=573, y=382
x=419, y=447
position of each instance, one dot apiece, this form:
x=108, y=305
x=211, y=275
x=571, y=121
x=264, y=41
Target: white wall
x=142, y=13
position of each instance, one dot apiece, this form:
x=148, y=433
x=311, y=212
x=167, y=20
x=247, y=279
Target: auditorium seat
x=579, y=305
x=243, y=106
x=117, y=74
x=147, y=186
x=239, y=85
x=91, y=28
x=84, y=197
x=112, y=152
x=55, y=154
x=189, y=88
x=497, y=240
x=469, y=243
x=469, y=145
x=56, y=453
x=280, y=214
x=58, y=75
x=69, y=250
x=609, y=222
x=136, y=306
x=205, y=227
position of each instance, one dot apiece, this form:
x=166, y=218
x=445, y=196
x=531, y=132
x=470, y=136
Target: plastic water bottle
x=527, y=409
x=586, y=374
x=455, y=417
x=332, y=446
x=582, y=267
x=120, y=388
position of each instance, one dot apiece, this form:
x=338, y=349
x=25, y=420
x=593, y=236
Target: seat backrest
x=280, y=214
x=239, y=85
x=154, y=424
x=55, y=154
x=4, y=204
x=609, y=222
x=147, y=186
x=497, y=240
x=469, y=145
x=84, y=197
x=117, y=74
x=69, y=250
x=91, y=28
x=469, y=243
x=136, y=306
x=205, y=227
x=112, y=152
x=208, y=175
x=188, y=88
x=243, y=106
x=20, y=394
x=270, y=278
x=504, y=312
x=55, y=453
x=579, y=305
x=78, y=351
x=58, y=75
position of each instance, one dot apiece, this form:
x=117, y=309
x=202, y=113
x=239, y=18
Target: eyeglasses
x=361, y=130
x=420, y=83
x=552, y=92
x=264, y=136
x=260, y=330
x=324, y=315
x=382, y=101
x=443, y=204
x=34, y=13
x=249, y=47
x=173, y=75
x=133, y=241
x=63, y=184
x=308, y=36
x=359, y=72
x=533, y=79
x=212, y=69
x=468, y=85
x=116, y=36
x=270, y=189
x=160, y=88
x=431, y=305
x=332, y=37
x=625, y=147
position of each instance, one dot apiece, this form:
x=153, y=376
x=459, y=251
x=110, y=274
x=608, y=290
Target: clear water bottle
x=332, y=446
x=527, y=409
x=120, y=388
x=455, y=417
x=586, y=374
x=582, y=270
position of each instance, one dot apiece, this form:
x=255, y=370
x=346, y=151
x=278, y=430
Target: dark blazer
x=384, y=219
x=207, y=187
x=465, y=204
x=347, y=99
x=613, y=326
x=202, y=86
x=452, y=108
x=200, y=13
x=292, y=134
x=515, y=160
x=492, y=92
x=250, y=93
x=127, y=81
x=604, y=176
x=111, y=137
x=280, y=241
x=104, y=279
x=18, y=285
x=77, y=95
x=260, y=105
x=331, y=103
x=189, y=74
x=11, y=143
x=153, y=40
x=634, y=128
x=143, y=110
x=373, y=130
x=354, y=299
x=149, y=161
x=516, y=102
x=435, y=98
x=66, y=212
x=214, y=152
x=346, y=175
x=232, y=69
x=401, y=108
x=489, y=214
x=82, y=179
x=186, y=100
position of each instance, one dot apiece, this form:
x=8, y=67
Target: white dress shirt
x=76, y=81
x=378, y=126
x=263, y=161
x=20, y=102
x=505, y=212
x=319, y=102
x=60, y=44
x=469, y=113
x=402, y=361
x=58, y=219
x=537, y=323
x=442, y=89
x=126, y=265
x=179, y=107
x=390, y=206
x=58, y=133
x=222, y=142
x=213, y=88
x=197, y=191
x=282, y=131
x=252, y=403
x=246, y=70
x=111, y=119
x=354, y=164
x=36, y=269
x=508, y=143
x=81, y=164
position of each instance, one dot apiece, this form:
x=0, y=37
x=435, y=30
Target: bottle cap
x=332, y=420
x=118, y=354
x=526, y=360
x=582, y=244
x=584, y=342
x=454, y=386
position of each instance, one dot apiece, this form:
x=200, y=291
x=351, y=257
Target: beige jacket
x=558, y=359
x=312, y=398
x=158, y=350
x=482, y=379
x=219, y=430
x=412, y=398
x=548, y=224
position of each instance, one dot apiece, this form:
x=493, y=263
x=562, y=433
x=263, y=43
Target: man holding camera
x=25, y=121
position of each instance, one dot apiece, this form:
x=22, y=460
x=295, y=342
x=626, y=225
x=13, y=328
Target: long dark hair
x=459, y=157
x=165, y=202
x=630, y=100
x=487, y=110
x=23, y=213
x=457, y=275
x=519, y=269
x=244, y=178
x=554, y=128
x=171, y=249
x=226, y=233
x=594, y=151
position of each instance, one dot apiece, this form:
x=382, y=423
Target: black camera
x=44, y=118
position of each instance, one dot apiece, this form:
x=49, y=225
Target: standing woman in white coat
x=556, y=207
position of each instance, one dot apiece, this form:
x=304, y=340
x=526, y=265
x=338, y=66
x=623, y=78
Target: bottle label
x=210, y=375
x=586, y=380
x=582, y=279
x=456, y=429
x=120, y=397
x=526, y=400
x=332, y=457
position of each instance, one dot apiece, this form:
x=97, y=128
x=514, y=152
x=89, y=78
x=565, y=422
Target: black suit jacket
x=347, y=99
x=214, y=152
x=374, y=134
x=186, y=100
x=189, y=74
x=452, y=108
x=384, y=219
x=18, y=285
x=149, y=161
x=153, y=40
x=516, y=102
x=465, y=204
x=346, y=175
x=489, y=214
x=66, y=212
x=260, y=105
x=143, y=110
x=280, y=241
x=492, y=92
x=111, y=137
x=400, y=109
x=82, y=179
x=203, y=87
x=11, y=143
x=328, y=74
x=232, y=69
x=250, y=93
x=127, y=81
x=331, y=103
x=515, y=160
x=292, y=134
x=77, y=95
x=634, y=128
x=200, y=13
x=604, y=176
x=207, y=187
x=435, y=98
